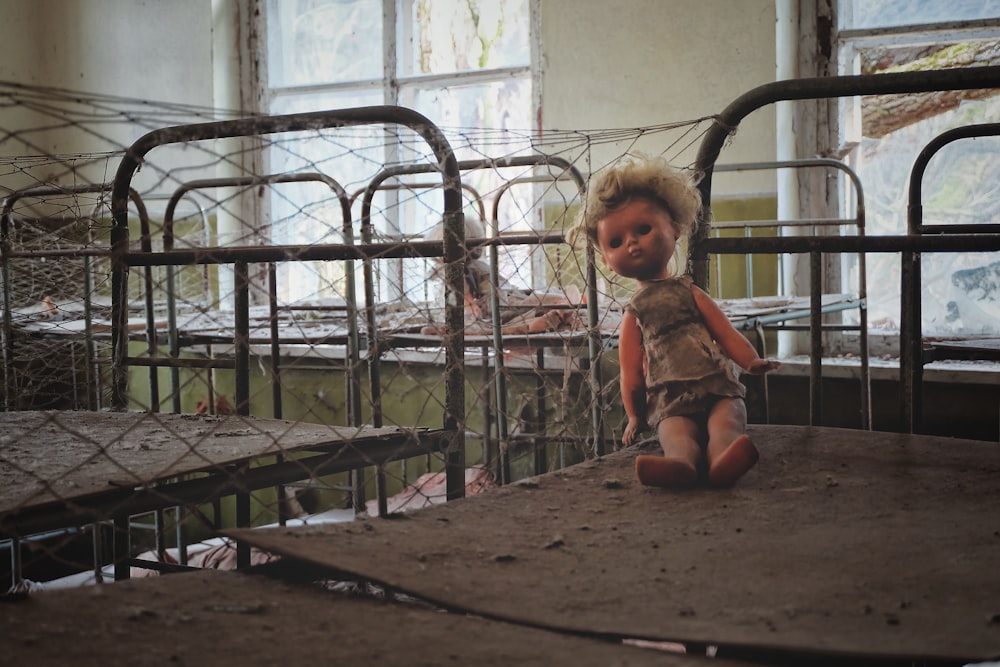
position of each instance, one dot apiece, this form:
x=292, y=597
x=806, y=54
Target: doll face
x=638, y=239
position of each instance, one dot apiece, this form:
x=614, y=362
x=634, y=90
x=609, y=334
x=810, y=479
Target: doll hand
x=761, y=366
x=633, y=429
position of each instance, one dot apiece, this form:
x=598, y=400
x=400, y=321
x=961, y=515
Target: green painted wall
x=738, y=276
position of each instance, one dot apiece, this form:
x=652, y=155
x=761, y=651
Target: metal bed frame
x=18, y=521
x=916, y=350
x=376, y=341
x=823, y=88
x=499, y=340
x=780, y=321
x=7, y=254
x=240, y=257
x=123, y=259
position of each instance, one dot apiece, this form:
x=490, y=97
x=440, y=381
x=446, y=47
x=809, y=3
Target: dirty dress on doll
x=686, y=370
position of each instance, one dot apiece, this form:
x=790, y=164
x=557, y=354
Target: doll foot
x=739, y=457
x=664, y=472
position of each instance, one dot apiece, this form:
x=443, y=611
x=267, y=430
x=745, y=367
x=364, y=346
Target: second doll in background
x=677, y=348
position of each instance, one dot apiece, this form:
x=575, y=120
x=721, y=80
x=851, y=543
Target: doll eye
x=645, y=229
x=615, y=243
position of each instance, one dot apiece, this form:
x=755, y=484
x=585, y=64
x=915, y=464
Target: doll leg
x=678, y=467
x=730, y=451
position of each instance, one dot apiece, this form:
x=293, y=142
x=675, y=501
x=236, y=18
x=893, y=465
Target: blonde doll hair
x=633, y=177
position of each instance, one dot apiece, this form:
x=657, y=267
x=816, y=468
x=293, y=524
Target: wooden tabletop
x=840, y=542
x=229, y=618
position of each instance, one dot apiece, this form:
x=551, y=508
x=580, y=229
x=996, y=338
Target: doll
x=676, y=347
x=522, y=311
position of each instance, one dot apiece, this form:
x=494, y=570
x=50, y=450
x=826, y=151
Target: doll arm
x=632, y=379
x=730, y=340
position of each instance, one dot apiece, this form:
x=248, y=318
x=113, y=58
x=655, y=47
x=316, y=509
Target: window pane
x=312, y=42
x=861, y=14
x=324, y=44
x=462, y=112
x=958, y=290
x=446, y=36
x=893, y=131
x=309, y=212
x=350, y=154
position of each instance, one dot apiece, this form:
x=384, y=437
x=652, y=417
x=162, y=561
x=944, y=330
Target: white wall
x=648, y=62
x=156, y=50
x=146, y=49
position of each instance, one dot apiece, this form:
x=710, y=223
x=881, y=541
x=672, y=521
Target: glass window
x=447, y=36
x=891, y=132
x=465, y=64
x=864, y=14
x=314, y=42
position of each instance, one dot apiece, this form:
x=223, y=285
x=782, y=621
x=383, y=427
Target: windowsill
x=887, y=368
x=514, y=359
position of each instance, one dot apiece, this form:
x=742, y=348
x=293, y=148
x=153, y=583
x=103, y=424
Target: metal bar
x=146, y=243
x=323, y=251
x=60, y=254
x=839, y=244
x=381, y=492
x=540, y=450
x=16, y=574
x=816, y=339
x=121, y=546
x=797, y=222
x=762, y=352
x=914, y=210
x=181, y=362
x=242, y=521
x=98, y=551
x=751, y=322
x=241, y=337
x=272, y=300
